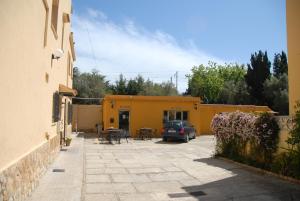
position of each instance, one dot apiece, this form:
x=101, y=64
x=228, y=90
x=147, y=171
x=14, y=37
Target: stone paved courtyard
x=154, y=170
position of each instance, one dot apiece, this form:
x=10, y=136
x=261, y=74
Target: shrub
x=294, y=139
x=267, y=131
x=235, y=130
x=289, y=163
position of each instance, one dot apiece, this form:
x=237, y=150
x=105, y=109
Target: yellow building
x=135, y=112
x=293, y=44
x=36, y=57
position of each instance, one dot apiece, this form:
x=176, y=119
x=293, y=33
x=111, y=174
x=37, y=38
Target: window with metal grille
x=56, y=109
x=175, y=115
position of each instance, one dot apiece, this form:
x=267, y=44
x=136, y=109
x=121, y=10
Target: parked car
x=178, y=130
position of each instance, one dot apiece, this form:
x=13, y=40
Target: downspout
x=65, y=109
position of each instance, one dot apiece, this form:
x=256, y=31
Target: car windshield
x=173, y=124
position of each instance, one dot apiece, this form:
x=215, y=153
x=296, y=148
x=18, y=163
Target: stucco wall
x=293, y=39
x=85, y=117
x=26, y=105
x=28, y=79
x=208, y=111
x=147, y=111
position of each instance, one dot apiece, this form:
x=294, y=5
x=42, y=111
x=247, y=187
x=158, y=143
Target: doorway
x=124, y=119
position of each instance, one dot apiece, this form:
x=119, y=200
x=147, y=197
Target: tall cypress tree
x=280, y=65
x=257, y=73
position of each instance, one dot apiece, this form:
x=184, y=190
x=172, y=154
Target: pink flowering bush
x=234, y=130
x=227, y=126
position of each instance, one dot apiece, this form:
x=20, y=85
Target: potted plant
x=68, y=141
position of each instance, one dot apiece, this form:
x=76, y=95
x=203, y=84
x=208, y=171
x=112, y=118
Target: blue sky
x=156, y=38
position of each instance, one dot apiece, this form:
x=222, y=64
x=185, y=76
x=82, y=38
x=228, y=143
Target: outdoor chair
x=125, y=134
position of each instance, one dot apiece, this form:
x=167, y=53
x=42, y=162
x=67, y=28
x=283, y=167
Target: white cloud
x=127, y=48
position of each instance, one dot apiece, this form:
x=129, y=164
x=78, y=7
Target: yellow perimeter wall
x=147, y=111
x=293, y=39
x=208, y=111
x=85, y=117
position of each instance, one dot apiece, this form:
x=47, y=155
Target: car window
x=173, y=124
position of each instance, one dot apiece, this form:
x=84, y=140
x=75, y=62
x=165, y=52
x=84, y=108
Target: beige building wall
x=29, y=76
x=85, y=117
x=293, y=43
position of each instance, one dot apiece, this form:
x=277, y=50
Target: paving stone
x=172, y=169
x=136, y=197
x=110, y=188
x=94, y=171
x=169, y=176
x=97, y=178
x=145, y=170
x=171, y=186
x=115, y=170
x=130, y=178
x=94, y=166
x=166, y=197
x=190, y=182
x=102, y=197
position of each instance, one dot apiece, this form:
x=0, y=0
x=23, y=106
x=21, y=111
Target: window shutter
x=56, y=110
x=70, y=113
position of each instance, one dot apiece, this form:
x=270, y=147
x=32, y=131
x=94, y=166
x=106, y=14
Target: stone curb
x=261, y=171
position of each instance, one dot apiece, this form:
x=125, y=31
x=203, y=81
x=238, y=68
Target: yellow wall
x=85, y=117
x=293, y=39
x=147, y=111
x=208, y=111
x=25, y=62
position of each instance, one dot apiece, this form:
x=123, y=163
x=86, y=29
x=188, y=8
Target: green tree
x=257, y=73
x=135, y=86
x=235, y=93
x=215, y=83
x=138, y=86
x=280, y=65
x=89, y=85
x=206, y=83
x=120, y=87
x=276, y=93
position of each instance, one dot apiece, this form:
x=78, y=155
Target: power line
x=91, y=45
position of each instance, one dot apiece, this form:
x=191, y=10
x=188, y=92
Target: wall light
x=58, y=53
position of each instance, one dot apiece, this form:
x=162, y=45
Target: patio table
x=111, y=134
x=145, y=133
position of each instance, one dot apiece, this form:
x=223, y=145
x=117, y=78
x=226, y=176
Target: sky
x=157, y=38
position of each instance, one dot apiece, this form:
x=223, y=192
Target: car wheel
x=187, y=138
x=165, y=139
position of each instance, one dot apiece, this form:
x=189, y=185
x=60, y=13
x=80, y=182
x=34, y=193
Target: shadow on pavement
x=87, y=135
x=170, y=142
x=232, y=182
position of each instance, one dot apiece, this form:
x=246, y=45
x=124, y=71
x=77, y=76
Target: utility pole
x=176, y=77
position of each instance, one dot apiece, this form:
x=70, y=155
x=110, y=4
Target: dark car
x=178, y=130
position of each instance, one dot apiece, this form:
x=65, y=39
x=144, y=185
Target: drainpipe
x=65, y=109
